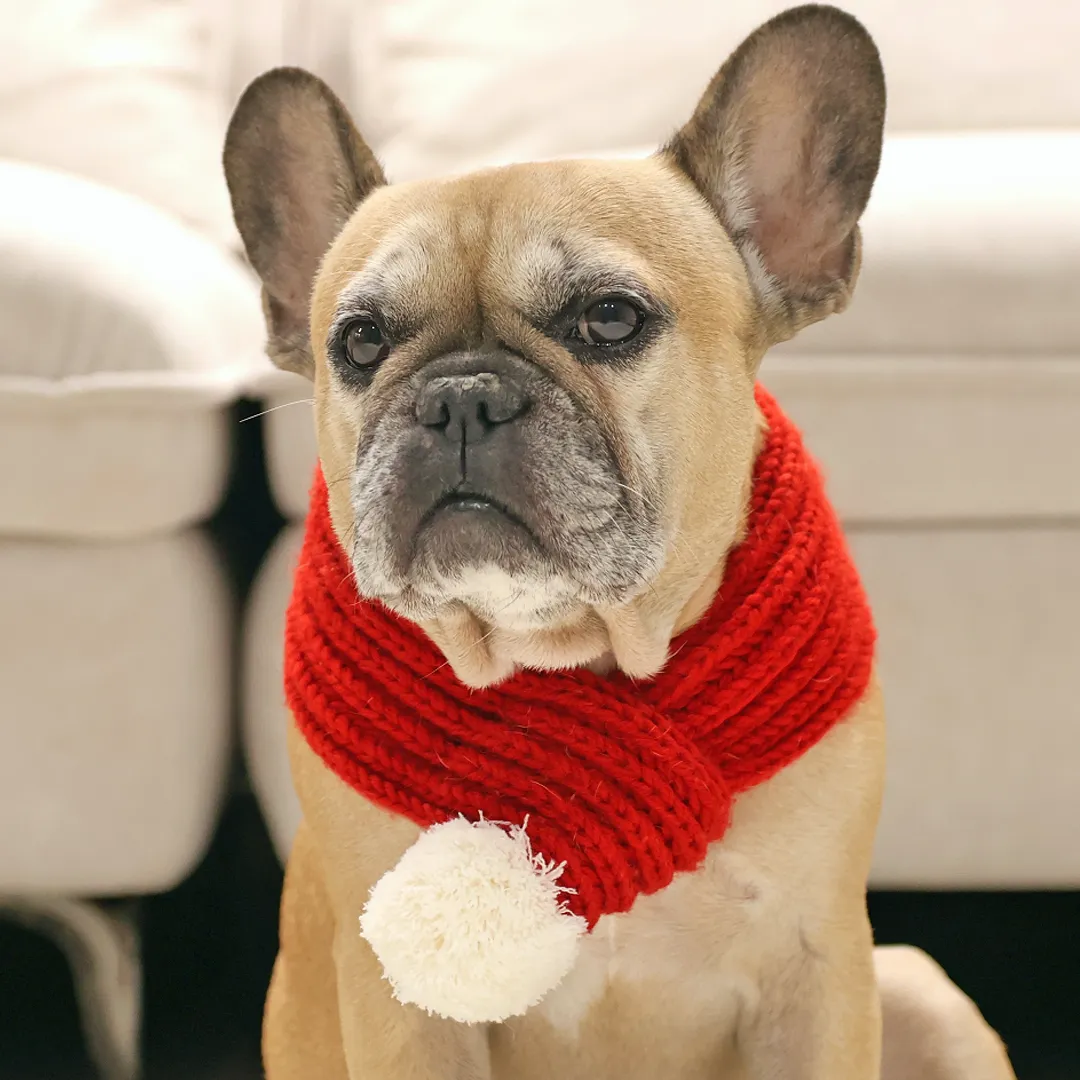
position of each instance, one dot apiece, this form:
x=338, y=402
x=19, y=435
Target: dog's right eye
x=364, y=344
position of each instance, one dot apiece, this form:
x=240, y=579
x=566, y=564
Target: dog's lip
x=462, y=500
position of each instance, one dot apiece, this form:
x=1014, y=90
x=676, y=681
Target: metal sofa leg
x=101, y=943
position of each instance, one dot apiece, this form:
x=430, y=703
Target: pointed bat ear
x=297, y=169
x=785, y=145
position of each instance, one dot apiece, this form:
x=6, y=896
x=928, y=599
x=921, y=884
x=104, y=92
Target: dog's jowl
x=585, y=725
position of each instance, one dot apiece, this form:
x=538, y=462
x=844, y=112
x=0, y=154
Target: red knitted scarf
x=626, y=782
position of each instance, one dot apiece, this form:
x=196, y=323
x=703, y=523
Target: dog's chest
x=659, y=988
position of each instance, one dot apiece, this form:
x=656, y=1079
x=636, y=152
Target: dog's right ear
x=296, y=169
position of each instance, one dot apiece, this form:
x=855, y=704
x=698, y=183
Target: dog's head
x=534, y=384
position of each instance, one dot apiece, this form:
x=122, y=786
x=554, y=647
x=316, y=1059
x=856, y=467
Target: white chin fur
x=471, y=924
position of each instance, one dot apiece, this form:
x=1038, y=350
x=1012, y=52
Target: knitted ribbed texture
x=626, y=782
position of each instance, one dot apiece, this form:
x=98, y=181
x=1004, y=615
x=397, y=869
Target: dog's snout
x=465, y=408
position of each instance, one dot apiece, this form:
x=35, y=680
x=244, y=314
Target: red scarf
x=626, y=782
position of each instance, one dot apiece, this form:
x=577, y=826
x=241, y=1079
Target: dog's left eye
x=613, y=320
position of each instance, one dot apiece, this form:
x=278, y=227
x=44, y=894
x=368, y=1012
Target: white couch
x=945, y=404
x=127, y=329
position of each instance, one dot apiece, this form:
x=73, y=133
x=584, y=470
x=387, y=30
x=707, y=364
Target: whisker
x=640, y=494
x=284, y=405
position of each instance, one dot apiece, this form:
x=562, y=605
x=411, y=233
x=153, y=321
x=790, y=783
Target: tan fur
x=770, y=926
x=769, y=937
x=693, y=408
x=759, y=965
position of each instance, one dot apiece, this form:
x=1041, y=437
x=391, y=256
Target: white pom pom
x=470, y=924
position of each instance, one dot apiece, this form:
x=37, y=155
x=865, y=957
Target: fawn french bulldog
x=586, y=730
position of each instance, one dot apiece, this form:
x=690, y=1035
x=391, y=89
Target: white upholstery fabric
x=117, y=91
x=127, y=325
x=979, y=645
x=247, y=37
x=123, y=335
x=95, y=281
x=95, y=459
x=441, y=85
x=115, y=696
x=291, y=453
x=263, y=708
x=938, y=439
x=972, y=247
x=944, y=405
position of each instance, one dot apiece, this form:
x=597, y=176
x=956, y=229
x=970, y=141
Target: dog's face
x=524, y=375
x=534, y=385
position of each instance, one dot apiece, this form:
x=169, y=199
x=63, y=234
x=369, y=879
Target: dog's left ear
x=785, y=145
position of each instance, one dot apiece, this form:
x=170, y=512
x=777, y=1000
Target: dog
x=631, y=304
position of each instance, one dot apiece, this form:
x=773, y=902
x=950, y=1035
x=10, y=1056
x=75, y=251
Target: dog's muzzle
x=483, y=472
x=465, y=462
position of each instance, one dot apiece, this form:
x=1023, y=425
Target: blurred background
x=153, y=476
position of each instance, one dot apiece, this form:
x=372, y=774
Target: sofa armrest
x=95, y=282
x=123, y=333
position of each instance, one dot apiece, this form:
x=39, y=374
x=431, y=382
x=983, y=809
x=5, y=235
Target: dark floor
x=210, y=945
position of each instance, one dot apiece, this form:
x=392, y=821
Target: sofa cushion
x=978, y=651
x=264, y=715
x=123, y=336
x=291, y=452
x=115, y=689
x=938, y=439
x=440, y=85
x=247, y=37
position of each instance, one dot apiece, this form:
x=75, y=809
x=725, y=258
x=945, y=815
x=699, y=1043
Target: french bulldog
x=609, y=320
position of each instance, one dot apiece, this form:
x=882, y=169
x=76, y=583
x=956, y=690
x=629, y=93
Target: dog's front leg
x=818, y=1013
x=385, y=1040
x=349, y=844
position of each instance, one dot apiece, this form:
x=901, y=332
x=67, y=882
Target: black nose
x=466, y=407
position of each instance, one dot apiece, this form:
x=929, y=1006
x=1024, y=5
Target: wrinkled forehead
x=535, y=266
x=530, y=239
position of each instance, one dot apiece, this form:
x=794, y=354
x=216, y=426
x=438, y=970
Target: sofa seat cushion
x=978, y=647
x=906, y=439
x=264, y=715
x=123, y=337
x=115, y=689
x=291, y=453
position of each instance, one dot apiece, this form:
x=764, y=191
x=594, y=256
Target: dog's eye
x=610, y=321
x=365, y=345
